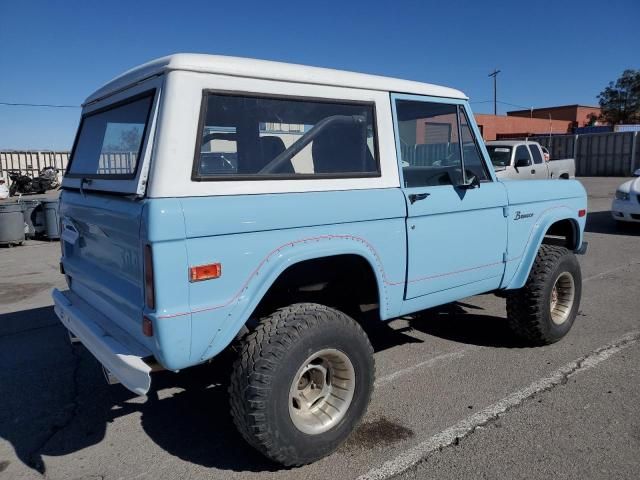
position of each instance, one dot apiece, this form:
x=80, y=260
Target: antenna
x=494, y=74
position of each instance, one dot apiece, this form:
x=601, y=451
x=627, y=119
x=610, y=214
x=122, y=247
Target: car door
x=523, y=163
x=539, y=165
x=456, y=230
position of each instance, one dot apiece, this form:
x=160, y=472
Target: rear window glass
x=109, y=141
x=255, y=137
x=500, y=155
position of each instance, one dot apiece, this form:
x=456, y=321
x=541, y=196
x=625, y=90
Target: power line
x=47, y=105
x=504, y=103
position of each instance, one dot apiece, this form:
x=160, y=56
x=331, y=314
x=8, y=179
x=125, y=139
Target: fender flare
x=275, y=264
x=530, y=250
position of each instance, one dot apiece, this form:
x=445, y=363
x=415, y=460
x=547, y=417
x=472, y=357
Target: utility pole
x=494, y=74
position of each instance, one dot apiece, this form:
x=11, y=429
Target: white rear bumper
x=118, y=352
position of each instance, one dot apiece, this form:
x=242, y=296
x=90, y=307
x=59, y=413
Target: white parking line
x=427, y=363
x=468, y=425
x=601, y=274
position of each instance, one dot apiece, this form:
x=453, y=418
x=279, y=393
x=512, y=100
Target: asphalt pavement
x=456, y=395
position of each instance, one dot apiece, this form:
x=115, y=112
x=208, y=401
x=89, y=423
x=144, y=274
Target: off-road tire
x=528, y=308
x=268, y=361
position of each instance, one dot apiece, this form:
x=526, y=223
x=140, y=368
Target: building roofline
x=576, y=105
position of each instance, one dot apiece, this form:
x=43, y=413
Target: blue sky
x=550, y=52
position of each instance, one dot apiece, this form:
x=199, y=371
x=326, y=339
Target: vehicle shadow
x=454, y=322
x=603, y=222
x=186, y=414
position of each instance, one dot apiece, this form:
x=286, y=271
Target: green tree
x=620, y=101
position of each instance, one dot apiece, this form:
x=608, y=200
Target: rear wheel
x=302, y=383
x=543, y=311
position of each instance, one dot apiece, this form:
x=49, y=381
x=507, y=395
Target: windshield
x=109, y=140
x=500, y=155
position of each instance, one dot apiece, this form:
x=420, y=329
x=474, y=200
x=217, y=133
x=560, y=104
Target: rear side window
x=110, y=140
x=253, y=137
x=500, y=155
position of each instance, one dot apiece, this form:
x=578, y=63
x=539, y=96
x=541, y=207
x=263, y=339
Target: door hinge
x=505, y=257
x=505, y=211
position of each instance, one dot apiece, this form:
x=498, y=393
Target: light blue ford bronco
x=223, y=204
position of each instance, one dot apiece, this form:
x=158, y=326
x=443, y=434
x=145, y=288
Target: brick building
x=522, y=123
x=503, y=126
x=578, y=114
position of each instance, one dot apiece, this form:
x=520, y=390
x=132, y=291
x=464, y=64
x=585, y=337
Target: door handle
x=69, y=232
x=532, y=172
x=414, y=197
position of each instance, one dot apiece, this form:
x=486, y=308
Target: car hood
x=630, y=186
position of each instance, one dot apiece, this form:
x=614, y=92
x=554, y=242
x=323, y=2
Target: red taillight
x=205, y=272
x=149, y=292
x=147, y=327
x=582, y=213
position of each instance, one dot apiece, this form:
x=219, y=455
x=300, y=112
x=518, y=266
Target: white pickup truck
x=523, y=160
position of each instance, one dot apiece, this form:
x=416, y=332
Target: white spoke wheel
x=301, y=383
x=543, y=311
x=321, y=391
x=562, y=296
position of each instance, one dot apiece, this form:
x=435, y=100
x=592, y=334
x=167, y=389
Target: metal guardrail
x=31, y=162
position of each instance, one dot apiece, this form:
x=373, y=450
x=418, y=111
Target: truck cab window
x=523, y=157
x=535, y=152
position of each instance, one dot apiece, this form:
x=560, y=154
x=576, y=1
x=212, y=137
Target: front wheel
x=302, y=383
x=543, y=311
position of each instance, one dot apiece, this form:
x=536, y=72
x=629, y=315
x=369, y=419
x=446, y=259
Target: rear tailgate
x=103, y=255
x=102, y=204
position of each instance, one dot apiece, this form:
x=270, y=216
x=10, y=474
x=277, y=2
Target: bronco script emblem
x=520, y=215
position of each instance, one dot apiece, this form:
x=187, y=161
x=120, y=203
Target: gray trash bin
x=33, y=217
x=51, y=219
x=11, y=224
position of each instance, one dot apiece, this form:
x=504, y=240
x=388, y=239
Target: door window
x=429, y=143
x=523, y=157
x=537, y=156
x=472, y=158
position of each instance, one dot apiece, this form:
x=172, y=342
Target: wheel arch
x=298, y=254
x=557, y=228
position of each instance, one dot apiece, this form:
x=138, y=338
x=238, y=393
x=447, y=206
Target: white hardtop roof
x=268, y=70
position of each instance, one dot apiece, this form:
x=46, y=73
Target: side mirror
x=522, y=162
x=472, y=182
x=636, y=173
